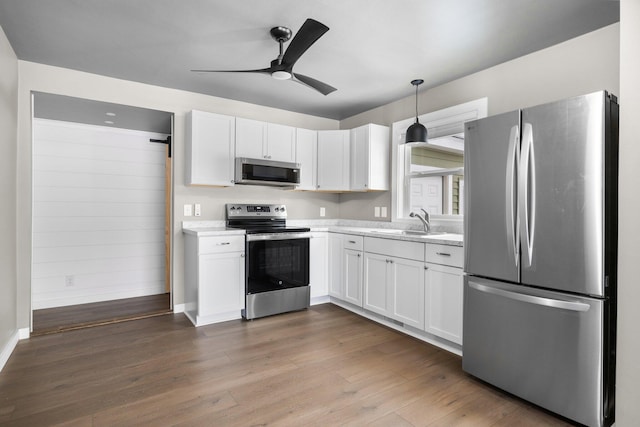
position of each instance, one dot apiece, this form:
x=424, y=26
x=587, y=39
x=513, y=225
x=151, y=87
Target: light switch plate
x=383, y=212
x=376, y=211
x=188, y=211
x=322, y=212
x=197, y=210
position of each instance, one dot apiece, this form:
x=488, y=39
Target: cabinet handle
x=242, y=255
x=443, y=254
x=358, y=255
x=426, y=268
x=352, y=242
x=224, y=243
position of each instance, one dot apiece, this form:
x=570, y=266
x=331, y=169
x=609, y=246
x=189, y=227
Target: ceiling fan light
x=281, y=75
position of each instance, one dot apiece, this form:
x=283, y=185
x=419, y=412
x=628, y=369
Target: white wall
x=98, y=214
x=8, y=137
x=628, y=376
x=43, y=78
x=582, y=65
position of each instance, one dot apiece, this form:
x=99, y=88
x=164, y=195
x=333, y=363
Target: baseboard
x=24, y=333
x=8, y=349
x=320, y=300
x=178, y=308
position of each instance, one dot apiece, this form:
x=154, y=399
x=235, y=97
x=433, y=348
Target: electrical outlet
x=188, y=211
x=69, y=281
x=376, y=212
x=322, y=212
x=383, y=211
x=196, y=210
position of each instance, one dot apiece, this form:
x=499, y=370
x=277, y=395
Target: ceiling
x=374, y=48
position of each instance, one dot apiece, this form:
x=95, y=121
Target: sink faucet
x=425, y=220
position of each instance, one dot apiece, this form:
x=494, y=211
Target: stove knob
x=277, y=209
x=282, y=209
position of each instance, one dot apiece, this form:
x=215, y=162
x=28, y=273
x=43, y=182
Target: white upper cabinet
x=369, y=160
x=333, y=160
x=306, y=155
x=209, y=149
x=281, y=143
x=261, y=140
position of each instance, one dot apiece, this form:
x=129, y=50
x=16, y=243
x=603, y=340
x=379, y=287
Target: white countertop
x=217, y=228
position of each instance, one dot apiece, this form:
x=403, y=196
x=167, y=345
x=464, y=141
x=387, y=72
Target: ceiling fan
x=282, y=67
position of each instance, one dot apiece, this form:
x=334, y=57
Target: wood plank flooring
x=52, y=320
x=320, y=367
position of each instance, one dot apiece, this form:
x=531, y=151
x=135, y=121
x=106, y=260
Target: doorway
x=101, y=213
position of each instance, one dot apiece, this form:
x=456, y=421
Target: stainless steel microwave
x=267, y=172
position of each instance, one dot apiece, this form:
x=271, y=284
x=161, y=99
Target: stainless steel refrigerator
x=540, y=254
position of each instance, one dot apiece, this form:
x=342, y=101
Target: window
x=431, y=176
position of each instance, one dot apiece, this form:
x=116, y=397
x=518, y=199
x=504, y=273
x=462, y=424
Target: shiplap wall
x=98, y=214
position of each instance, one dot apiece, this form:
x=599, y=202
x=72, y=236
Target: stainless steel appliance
x=541, y=252
x=277, y=259
x=267, y=172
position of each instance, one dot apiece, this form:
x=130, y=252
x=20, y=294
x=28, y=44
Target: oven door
x=276, y=261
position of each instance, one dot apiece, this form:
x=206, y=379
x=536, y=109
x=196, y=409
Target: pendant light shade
x=416, y=132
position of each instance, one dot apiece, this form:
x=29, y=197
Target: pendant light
x=416, y=132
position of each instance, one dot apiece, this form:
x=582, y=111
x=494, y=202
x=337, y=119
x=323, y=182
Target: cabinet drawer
x=395, y=248
x=352, y=242
x=219, y=244
x=445, y=255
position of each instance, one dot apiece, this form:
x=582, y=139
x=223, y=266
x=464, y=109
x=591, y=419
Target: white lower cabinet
x=214, y=278
x=443, y=301
x=394, y=287
x=352, y=264
x=345, y=267
x=319, y=265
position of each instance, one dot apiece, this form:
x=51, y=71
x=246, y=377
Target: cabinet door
x=336, y=288
x=333, y=160
x=319, y=267
x=406, y=284
x=250, y=138
x=375, y=283
x=281, y=143
x=359, y=159
x=369, y=162
x=353, y=276
x=221, y=283
x=443, y=302
x=209, y=149
x=306, y=155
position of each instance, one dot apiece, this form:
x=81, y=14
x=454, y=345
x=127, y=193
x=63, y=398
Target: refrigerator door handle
x=532, y=299
x=511, y=206
x=527, y=193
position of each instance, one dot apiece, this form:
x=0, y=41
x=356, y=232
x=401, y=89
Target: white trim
x=322, y=299
x=24, y=333
x=439, y=123
x=8, y=349
x=178, y=308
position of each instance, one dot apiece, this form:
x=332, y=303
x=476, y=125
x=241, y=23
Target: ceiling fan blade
x=263, y=71
x=307, y=35
x=323, y=88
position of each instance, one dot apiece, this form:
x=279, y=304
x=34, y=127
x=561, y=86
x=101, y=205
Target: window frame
x=444, y=122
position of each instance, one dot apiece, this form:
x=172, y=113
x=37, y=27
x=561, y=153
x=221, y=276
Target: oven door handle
x=278, y=236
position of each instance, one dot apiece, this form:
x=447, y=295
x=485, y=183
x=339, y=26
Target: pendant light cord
x=416, y=103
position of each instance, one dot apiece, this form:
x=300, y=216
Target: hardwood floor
x=52, y=320
x=320, y=367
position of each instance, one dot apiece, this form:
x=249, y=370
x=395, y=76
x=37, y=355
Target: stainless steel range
x=277, y=259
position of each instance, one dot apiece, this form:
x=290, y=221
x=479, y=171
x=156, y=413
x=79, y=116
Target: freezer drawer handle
x=531, y=299
x=443, y=254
